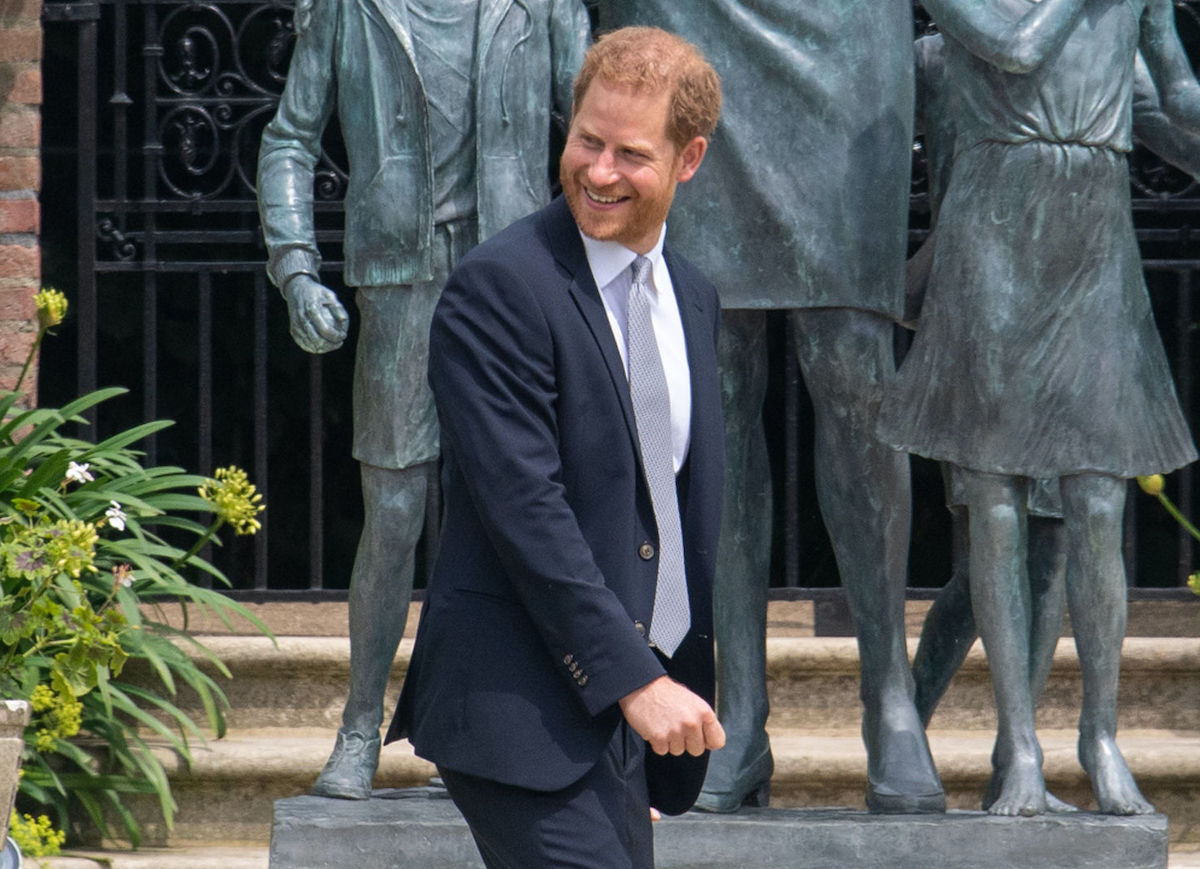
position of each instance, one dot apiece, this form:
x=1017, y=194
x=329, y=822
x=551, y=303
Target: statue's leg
x=949, y=629
x=1047, y=564
x=741, y=772
x=863, y=490
x=380, y=590
x=1047, y=561
x=1093, y=505
x=1000, y=598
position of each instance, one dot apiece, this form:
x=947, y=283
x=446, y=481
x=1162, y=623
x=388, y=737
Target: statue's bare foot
x=1112, y=783
x=1055, y=806
x=1017, y=789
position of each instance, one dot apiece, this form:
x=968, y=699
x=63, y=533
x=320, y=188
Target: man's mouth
x=601, y=199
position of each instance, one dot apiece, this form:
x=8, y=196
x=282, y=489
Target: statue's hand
x=318, y=320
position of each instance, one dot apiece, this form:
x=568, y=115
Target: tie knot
x=641, y=271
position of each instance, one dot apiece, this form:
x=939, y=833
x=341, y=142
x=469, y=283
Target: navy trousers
x=601, y=821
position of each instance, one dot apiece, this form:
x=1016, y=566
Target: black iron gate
x=152, y=118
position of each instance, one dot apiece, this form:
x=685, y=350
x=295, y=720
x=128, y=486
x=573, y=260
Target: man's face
x=619, y=169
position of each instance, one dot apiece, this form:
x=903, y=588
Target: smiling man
x=568, y=621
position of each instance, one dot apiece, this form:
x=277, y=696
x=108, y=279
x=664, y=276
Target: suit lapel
x=568, y=250
x=706, y=411
x=697, y=335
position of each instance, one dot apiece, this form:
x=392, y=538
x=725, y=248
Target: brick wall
x=20, y=179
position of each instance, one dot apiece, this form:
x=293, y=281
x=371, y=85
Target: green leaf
x=91, y=399
x=130, y=436
x=49, y=473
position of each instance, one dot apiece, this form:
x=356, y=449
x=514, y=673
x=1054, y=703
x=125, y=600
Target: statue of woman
x=1037, y=354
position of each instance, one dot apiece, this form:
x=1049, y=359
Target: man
x=568, y=621
x=445, y=108
x=810, y=177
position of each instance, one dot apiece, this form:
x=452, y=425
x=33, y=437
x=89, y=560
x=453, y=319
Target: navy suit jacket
x=534, y=620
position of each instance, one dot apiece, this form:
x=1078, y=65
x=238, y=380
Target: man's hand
x=672, y=719
x=318, y=320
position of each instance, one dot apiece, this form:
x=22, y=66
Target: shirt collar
x=607, y=259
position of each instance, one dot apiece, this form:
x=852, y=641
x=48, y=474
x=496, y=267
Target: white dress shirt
x=610, y=264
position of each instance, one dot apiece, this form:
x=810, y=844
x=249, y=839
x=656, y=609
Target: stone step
x=1180, y=856
x=785, y=618
x=813, y=683
x=191, y=857
x=228, y=793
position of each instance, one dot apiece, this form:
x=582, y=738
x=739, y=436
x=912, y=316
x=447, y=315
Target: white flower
x=77, y=473
x=116, y=516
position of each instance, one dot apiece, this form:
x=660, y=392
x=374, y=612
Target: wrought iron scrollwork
x=119, y=247
x=221, y=72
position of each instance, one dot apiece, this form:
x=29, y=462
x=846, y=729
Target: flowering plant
x=89, y=554
x=1153, y=485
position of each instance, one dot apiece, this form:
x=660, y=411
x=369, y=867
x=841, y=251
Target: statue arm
x=291, y=147
x=570, y=33
x=1018, y=46
x=1168, y=64
x=1176, y=145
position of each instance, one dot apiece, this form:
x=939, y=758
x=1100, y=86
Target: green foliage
x=1153, y=485
x=85, y=569
x=35, y=837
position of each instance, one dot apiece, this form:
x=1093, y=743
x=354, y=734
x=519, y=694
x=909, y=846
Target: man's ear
x=690, y=158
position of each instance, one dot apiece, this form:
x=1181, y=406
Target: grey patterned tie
x=652, y=410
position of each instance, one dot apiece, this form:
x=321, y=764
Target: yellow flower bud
x=234, y=498
x=51, y=307
x=1151, y=485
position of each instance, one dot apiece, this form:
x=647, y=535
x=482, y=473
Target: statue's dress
x=1036, y=353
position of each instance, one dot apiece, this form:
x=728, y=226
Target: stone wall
x=20, y=180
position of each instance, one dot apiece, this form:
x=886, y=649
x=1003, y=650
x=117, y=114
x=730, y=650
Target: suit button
x=640, y=628
x=567, y=659
x=573, y=667
x=582, y=681
x=646, y=551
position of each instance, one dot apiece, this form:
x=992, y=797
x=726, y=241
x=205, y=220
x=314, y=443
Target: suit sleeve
x=492, y=370
x=291, y=147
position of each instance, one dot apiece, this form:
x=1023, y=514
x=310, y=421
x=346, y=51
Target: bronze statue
x=949, y=629
x=804, y=208
x=445, y=107
x=1037, y=355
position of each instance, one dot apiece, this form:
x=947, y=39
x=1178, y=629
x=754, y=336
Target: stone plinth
x=14, y=715
x=421, y=827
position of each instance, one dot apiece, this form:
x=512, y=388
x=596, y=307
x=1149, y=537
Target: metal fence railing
x=150, y=225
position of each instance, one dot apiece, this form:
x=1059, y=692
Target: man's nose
x=603, y=169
